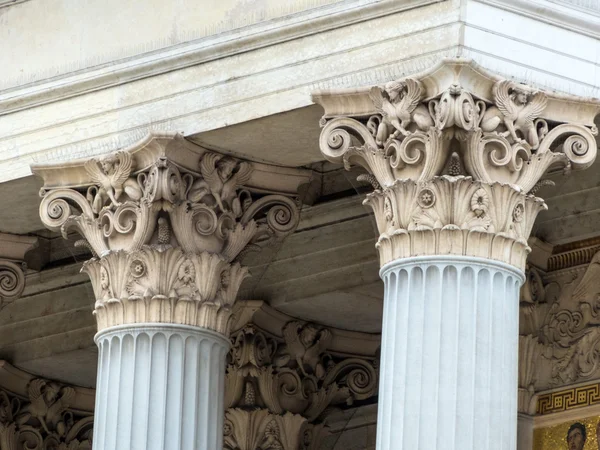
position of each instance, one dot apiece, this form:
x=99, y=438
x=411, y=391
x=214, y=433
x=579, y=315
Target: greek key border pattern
x=568, y=399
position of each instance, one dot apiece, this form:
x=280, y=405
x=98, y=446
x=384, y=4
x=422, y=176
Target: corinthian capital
x=456, y=153
x=167, y=222
x=277, y=388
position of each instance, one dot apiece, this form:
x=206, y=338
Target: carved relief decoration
x=504, y=139
x=455, y=215
x=419, y=136
x=277, y=389
x=560, y=327
x=43, y=420
x=166, y=239
x=13, y=249
x=12, y=281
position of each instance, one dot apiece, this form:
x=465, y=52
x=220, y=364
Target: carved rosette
x=166, y=239
x=502, y=135
x=454, y=215
x=285, y=385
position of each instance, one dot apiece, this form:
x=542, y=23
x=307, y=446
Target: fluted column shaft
x=448, y=357
x=160, y=386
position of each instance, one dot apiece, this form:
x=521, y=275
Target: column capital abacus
x=167, y=222
x=456, y=155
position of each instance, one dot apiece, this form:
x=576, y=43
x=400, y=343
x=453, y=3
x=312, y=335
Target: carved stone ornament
x=12, y=266
x=276, y=390
x=167, y=222
x=44, y=417
x=560, y=327
x=448, y=128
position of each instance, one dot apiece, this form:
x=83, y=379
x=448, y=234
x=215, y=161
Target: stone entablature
x=456, y=155
x=167, y=222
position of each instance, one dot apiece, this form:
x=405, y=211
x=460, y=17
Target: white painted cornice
x=561, y=15
x=207, y=49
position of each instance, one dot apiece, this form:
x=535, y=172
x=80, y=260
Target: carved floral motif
x=560, y=318
x=505, y=141
x=43, y=421
x=455, y=215
x=282, y=386
x=453, y=171
x=166, y=239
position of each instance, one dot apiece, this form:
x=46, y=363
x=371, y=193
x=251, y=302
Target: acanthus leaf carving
x=43, y=420
x=454, y=215
x=504, y=140
x=167, y=239
x=296, y=375
x=289, y=382
x=561, y=317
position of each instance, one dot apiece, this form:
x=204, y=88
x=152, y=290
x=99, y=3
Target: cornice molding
x=567, y=17
x=201, y=51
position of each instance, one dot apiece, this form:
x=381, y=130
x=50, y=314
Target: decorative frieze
x=567, y=399
x=458, y=152
x=167, y=223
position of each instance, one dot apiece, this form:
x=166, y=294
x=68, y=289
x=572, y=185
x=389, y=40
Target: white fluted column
x=165, y=271
x=160, y=387
x=455, y=157
x=449, y=345
x=525, y=432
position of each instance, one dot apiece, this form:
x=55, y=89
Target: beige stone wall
x=46, y=38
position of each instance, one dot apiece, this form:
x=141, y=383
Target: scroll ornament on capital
x=277, y=389
x=455, y=173
x=167, y=240
x=43, y=420
x=12, y=281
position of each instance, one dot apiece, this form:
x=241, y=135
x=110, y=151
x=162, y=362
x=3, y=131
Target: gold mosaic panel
x=569, y=399
x=555, y=437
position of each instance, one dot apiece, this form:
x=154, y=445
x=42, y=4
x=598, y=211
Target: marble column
x=165, y=241
x=455, y=156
